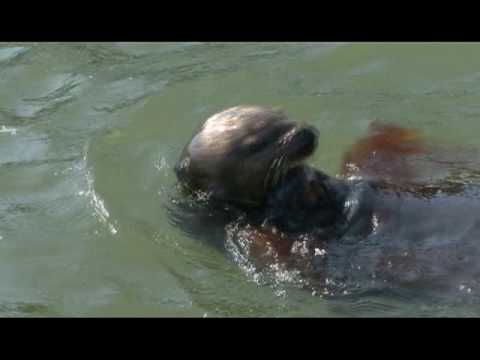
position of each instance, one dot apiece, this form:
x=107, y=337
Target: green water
x=89, y=134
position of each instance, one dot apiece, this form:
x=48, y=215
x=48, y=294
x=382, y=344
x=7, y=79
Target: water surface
x=89, y=134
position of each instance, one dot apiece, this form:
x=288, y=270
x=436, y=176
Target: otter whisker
x=274, y=172
x=269, y=177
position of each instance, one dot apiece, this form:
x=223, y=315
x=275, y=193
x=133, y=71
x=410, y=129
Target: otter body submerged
x=375, y=232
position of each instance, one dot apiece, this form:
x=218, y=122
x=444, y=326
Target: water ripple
x=10, y=54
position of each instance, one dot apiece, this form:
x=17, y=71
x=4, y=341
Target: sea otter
x=379, y=224
x=240, y=154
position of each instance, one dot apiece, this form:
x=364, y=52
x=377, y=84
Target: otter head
x=240, y=154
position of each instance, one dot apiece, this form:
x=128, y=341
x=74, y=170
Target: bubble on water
x=463, y=287
x=161, y=164
x=300, y=247
x=112, y=229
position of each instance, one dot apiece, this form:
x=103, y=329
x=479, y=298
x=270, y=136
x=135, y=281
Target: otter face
x=240, y=154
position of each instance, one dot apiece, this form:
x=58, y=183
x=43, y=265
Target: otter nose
x=309, y=136
x=309, y=132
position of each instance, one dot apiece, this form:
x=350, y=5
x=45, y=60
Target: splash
x=100, y=210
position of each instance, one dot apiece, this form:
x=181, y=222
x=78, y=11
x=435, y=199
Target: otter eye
x=252, y=145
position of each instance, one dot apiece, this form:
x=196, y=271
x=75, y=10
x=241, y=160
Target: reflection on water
x=89, y=134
